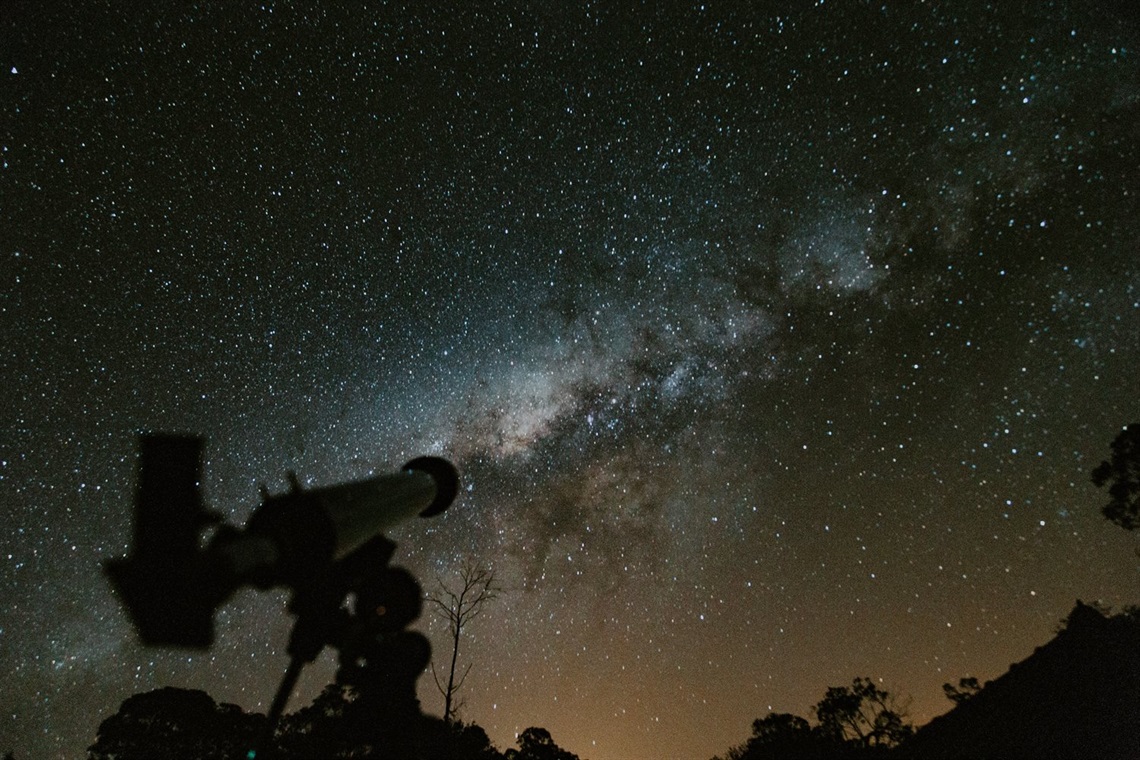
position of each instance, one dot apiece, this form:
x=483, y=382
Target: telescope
x=324, y=544
x=172, y=586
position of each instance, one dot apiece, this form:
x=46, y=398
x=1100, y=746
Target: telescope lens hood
x=446, y=479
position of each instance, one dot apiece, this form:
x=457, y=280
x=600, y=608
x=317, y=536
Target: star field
x=775, y=343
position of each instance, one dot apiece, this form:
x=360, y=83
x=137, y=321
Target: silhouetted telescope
x=172, y=586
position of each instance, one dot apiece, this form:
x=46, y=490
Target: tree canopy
x=1122, y=472
x=185, y=724
x=175, y=724
x=861, y=714
x=537, y=744
x=856, y=721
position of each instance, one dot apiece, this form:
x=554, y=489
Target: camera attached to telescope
x=324, y=544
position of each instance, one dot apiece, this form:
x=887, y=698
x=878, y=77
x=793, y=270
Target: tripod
x=378, y=657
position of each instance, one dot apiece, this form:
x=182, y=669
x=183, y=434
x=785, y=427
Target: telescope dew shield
x=446, y=479
x=359, y=511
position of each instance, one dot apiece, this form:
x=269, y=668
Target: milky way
x=775, y=345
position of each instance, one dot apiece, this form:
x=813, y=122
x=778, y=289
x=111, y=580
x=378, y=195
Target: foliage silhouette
x=341, y=724
x=467, y=741
x=1123, y=470
x=857, y=721
x=320, y=729
x=861, y=714
x=537, y=744
x=966, y=688
x=783, y=735
x=175, y=724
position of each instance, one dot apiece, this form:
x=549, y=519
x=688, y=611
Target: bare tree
x=459, y=604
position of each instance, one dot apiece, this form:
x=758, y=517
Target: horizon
x=899, y=703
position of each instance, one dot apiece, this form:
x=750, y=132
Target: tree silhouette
x=1123, y=470
x=966, y=688
x=537, y=744
x=337, y=724
x=321, y=729
x=466, y=741
x=458, y=607
x=175, y=724
x=856, y=721
x=783, y=736
x=861, y=714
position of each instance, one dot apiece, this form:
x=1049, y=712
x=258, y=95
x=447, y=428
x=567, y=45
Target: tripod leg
x=280, y=699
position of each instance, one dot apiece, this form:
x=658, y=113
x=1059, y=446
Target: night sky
x=775, y=341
